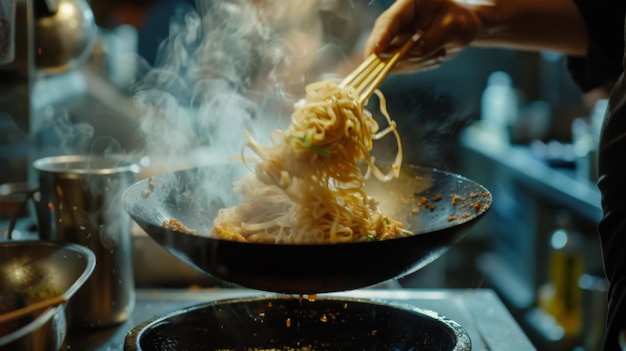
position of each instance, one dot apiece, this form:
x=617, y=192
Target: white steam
x=203, y=91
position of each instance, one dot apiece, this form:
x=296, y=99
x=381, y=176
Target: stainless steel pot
x=80, y=203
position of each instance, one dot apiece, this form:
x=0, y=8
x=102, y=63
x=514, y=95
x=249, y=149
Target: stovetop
x=479, y=311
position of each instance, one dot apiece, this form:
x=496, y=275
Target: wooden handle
x=32, y=308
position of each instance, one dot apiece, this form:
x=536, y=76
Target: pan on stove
x=194, y=196
x=284, y=323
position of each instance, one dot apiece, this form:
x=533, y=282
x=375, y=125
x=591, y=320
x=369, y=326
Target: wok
x=284, y=323
x=194, y=196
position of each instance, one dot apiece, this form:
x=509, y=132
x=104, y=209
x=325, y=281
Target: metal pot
x=64, y=35
x=80, y=203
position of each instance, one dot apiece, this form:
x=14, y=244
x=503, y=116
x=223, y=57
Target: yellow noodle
x=308, y=186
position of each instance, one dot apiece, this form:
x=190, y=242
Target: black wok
x=194, y=196
x=284, y=323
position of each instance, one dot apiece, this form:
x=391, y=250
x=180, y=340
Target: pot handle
x=30, y=195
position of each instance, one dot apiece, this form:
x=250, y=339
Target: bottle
x=562, y=296
x=499, y=105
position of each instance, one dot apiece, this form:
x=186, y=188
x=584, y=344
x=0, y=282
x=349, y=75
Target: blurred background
x=173, y=83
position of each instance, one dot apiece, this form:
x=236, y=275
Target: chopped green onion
x=303, y=139
x=320, y=150
x=315, y=148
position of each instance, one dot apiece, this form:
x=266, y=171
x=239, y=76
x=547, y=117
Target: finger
x=420, y=59
x=388, y=26
x=450, y=54
x=380, y=37
x=413, y=66
x=427, y=46
x=449, y=31
x=395, y=44
x=419, y=63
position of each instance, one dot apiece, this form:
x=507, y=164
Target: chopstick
x=371, y=72
x=32, y=308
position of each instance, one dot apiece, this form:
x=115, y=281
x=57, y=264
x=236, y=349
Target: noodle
x=308, y=184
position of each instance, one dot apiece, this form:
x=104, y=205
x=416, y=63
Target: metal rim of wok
x=285, y=322
x=297, y=268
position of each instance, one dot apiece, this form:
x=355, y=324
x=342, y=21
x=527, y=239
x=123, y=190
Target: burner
x=479, y=311
x=290, y=323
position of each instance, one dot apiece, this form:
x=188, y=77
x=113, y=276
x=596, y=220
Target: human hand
x=444, y=27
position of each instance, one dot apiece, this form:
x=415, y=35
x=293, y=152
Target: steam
x=70, y=135
x=205, y=88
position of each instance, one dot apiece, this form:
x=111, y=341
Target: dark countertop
x=479, y=311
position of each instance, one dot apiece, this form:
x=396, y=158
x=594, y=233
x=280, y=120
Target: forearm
x=555, y=25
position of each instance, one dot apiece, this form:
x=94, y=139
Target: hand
x=445, y=27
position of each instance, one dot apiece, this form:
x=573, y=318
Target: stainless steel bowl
x=28, y=268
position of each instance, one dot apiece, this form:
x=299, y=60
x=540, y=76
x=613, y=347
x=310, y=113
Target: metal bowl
x=34, y=269
x=286, y=323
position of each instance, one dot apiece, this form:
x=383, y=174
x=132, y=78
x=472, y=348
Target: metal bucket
x=80, y=203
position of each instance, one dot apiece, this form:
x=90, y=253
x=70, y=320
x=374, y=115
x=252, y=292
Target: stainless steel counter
x=479, y=311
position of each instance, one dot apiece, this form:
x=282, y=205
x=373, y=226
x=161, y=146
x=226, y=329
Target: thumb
x=378, y=41
x=429, y=43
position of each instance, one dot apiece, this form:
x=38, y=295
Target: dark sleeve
x=605, y=26
x=604, y=64
x=612, y=226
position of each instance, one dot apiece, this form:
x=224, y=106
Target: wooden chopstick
x=370, y=76
x=371, y=72
x=388, y=65
x=358, y=72
x=32, y=308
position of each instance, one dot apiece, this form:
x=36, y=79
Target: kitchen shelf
x=560, y=186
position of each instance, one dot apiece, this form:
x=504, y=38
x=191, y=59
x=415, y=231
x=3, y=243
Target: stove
x=480, y=312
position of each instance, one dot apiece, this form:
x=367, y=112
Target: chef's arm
x=446, y=26
x=555, y=25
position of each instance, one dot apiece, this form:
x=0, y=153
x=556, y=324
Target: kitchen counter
x=479, y=311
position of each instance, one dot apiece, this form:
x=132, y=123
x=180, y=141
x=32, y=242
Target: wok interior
x=291, y=323
x=194, y=197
